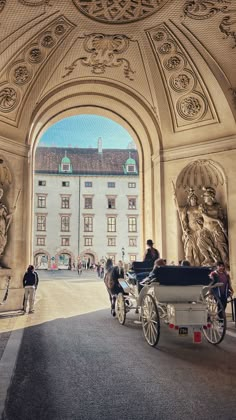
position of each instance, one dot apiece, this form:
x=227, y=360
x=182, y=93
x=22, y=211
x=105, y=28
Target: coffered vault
x=164, y=69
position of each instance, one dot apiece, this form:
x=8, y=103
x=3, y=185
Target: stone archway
x=42, y=259
x=123, y=107
x=64, y=260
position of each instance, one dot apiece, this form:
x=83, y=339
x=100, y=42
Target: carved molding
x=205, y=9
x=24, y=67
x=184, y=88
x=34, y=2
x=119, y=11
x=104, y=53
x=224, y=144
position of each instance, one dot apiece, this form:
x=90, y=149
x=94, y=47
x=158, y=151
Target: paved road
x=75, y=362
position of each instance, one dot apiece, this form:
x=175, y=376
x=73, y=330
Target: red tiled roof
x=84, y=161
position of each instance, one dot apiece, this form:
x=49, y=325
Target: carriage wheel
x=150, y=320
x=120, y=308
x=216, y=318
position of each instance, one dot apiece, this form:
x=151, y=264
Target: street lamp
x=123, y=253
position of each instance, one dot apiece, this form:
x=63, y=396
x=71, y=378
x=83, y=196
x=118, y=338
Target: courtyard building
x=86, y=207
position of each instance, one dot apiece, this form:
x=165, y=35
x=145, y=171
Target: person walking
x=30, y=284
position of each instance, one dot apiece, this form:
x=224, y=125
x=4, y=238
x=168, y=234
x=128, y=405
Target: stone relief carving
x=205, y=9
x=202, y=219
x=118, y=10
x=105, y=51
x=25, y=66
x=190, y=107
x=26, y=3
x=8, y=99
x=234, y=94
x=189, y=101
x=5, y=215
x=2, y=5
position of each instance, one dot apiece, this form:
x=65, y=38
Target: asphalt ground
x=74, y=361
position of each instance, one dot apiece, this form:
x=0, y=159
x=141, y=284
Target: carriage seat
x=178, y=284
x=142, y=266
x=182, y=276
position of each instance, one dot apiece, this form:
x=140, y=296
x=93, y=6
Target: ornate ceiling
x=177, y=57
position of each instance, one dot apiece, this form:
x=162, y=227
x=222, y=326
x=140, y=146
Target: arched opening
x=135, y=117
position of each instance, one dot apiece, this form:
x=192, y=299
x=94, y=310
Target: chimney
x=99, y=145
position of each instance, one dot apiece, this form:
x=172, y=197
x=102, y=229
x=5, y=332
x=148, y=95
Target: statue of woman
x=213, y=239
x=192, y=223
x=4, y=223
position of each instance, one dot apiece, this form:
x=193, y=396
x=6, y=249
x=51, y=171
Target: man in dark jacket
x=30, y=283
x=221, y=276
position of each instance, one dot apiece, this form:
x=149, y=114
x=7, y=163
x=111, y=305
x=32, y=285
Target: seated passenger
x=185, y=263
x=160, y=262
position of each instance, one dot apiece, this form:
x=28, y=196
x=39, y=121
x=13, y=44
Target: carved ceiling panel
x=101, y=56
x=187, y=95
x=119, y=11
x=23, y=69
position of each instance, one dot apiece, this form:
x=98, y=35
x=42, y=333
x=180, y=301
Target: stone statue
x=5, y=221
x=213, y=241
x=192, y=223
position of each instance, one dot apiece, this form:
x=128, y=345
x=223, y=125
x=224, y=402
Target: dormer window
x=130, y=166
x=65, y=165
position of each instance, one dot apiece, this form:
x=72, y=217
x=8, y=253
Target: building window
x=111, y=241
x=132, y=241
x=65, y=183
x=65, y=241
x=131, y=184
x=41, y=201
x=65, y=223
x=132, y=258
x=132, y=224
x=88, y=224
x=111, y=224
x=88, y=184
x=131, y=168
x=65, y=167
x=65, y=202
x=88, y=241
x=41, y=223
x=132, y=203
x=111, y=203
x=111, y=184
x=40, y=241
x=88, y=203
x=42, y=183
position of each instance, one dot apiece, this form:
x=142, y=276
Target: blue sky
x=84, y=131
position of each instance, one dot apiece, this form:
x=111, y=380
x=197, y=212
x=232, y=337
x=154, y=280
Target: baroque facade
x=86, y=207
x=165, y=70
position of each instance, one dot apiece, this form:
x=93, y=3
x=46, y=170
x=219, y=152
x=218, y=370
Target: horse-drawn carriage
x=180, y=297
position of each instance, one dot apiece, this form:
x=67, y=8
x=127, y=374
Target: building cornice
x=14, y=147
x=182, y=152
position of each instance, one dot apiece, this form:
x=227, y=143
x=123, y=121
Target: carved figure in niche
x=5, y=218
x=192, y=223
x=213, y=240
